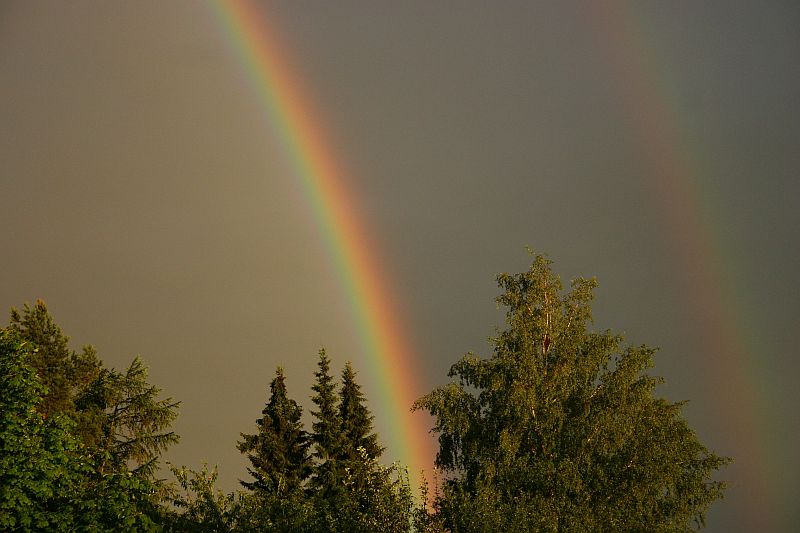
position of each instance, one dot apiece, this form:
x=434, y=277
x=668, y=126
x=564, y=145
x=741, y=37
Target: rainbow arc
x=392, y=360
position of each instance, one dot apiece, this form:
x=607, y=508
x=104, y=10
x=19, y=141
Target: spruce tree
x=560, y=430
x=278, y=451
x=327, y=434
x=378, y=497
x=356, y=420
x=129, y=423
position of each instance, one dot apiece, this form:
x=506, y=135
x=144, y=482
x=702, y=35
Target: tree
x=116, y=414
x=33, y=452
x=130, y=425
x=356, y=420
x=49, y=480
x=559, y=430
x=204, y=508
x=63, y=372
x=278, y=452
x=327, y=433
x=344, y=490
x=375, y=498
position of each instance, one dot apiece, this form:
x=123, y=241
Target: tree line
x=559, y=429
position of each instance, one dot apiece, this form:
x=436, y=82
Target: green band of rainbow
x=392, y=360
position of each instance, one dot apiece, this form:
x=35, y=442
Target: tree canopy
x=356, y=420
x=279, y=451
x=84, y=454
x=50, y=480
x=560, y=428
x=64, y=373
x=340, y=486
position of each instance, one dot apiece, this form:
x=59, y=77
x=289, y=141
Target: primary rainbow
x=392, y=360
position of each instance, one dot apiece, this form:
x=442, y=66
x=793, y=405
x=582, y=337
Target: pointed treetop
x=278, y=451
x=356, y=419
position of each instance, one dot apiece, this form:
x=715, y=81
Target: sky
x=150, y=201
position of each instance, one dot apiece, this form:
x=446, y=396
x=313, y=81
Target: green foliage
x=327, y=436
x=350, y=490
x=129, y=423
x=32, y=451
x=278, y=452
x=203, y=508
x=343, y=489
x=83, y=455
x=379, y=498
x=270, y=512
x=116, y=414
x=49, y=481
x=64, y=372
x=559, y=430
x=356, y=421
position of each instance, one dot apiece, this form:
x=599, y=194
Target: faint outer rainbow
x=392, y=360
x=675, y=173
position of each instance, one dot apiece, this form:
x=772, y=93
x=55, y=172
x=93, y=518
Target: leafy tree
x=203, y=507
x=117, y=414
x=260, y=512
x=99, y=433
x=48, y=479
x=377, y=498
x=33, y=458
x=327, y=433
x=560, y=430
x=279, y=451
x=424, y=518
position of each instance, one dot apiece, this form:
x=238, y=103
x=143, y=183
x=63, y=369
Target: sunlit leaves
x=559, y=430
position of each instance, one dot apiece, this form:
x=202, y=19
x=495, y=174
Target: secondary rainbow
x=353, y=252
x=675, y=172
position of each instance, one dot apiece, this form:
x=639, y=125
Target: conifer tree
x=64, y=372
x=327, y=434
x=279, y=451
x=116, y=414
x=130, y=424
x=559, y=430
x=356, y=420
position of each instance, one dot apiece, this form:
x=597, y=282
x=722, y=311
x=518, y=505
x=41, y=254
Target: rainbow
x=352, y=250
x=675, y=170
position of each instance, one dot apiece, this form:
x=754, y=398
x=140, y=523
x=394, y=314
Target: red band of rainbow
x=392, y=360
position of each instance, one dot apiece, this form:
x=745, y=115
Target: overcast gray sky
x=655, y=145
